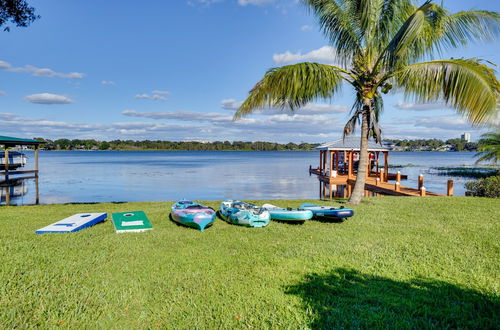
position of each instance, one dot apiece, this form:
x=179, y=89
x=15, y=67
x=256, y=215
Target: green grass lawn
x=398, y=263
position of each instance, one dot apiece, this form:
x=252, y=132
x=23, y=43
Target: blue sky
x=177, y=70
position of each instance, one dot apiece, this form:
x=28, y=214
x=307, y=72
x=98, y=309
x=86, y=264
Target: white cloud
x=192, y=125
x=153, y=97
x=47, y=98
x=217, y=126
x=402, y=105
x=161, y=92
x=308, y=109
x=40, y=72
x=156, y=95
x=190, y=116
x=325, y=54
x=108, y=82
x=443, y=122
x=230, y=104
x=8, y=116
x=240, y=2
x=254, y=2
x=306, y=28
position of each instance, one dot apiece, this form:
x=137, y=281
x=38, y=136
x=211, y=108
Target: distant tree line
x=399, y=145
x=433, y=145
x=78, y=144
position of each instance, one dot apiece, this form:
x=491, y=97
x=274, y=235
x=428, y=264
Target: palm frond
x=394, y=14
x=463, y=27
x=489, y=148
x=402, y=46
x=368, y=13
x=464, y=84
x=377, y=108
x=292, y=86
x=336, y=22
x=350, y=126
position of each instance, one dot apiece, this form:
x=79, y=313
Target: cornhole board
x=73, y=223
x=134, y=221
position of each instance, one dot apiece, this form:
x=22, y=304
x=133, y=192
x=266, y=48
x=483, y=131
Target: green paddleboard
x=135, y=221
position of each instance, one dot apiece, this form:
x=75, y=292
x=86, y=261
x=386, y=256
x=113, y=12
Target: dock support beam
x=351, y=164
x=6, y=161
x=386, y=165
x=37, y=195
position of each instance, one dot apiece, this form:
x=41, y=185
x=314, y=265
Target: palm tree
x=378, y=44
x=489, y=147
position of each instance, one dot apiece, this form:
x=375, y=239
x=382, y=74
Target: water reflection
x=105, y=176
x=12, y=191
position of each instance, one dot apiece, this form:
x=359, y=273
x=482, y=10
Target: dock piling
x=450, y=188
x=420, y=181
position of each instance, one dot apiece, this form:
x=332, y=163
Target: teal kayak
x=328, y=211
x=288, y=214
x=244, y=214
x=192, y=214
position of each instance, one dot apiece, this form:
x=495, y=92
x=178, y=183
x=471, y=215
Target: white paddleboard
x=73, y=223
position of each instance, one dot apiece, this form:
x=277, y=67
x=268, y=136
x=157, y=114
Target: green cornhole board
x=135, y=221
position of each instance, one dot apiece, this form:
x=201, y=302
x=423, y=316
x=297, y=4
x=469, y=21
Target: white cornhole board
x=73, y=223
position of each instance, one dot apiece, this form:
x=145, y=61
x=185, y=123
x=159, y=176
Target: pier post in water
x=450, y=188
x=397, y=186
x=420, y=181
x=423, y=191
x=37, y=198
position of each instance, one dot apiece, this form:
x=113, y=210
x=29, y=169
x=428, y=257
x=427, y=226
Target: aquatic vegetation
x=465, y=172
x=402, y=166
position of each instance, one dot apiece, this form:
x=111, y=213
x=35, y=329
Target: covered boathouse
x=337, y=171
x=10, y=174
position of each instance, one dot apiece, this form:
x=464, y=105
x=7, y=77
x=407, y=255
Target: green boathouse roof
x=12, y=141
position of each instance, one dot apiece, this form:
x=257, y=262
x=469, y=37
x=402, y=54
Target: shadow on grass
x=288, y=222
x=93, y=203
x=328, y=219
x=350, y=299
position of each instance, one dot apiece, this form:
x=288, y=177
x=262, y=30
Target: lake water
x=105, y=176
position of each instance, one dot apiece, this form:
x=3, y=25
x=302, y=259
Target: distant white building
x=465, y=137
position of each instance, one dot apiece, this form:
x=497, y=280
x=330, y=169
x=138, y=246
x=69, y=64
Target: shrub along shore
x=399, y=262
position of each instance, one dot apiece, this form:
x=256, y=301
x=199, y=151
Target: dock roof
x=351, y=143
x=12, y=141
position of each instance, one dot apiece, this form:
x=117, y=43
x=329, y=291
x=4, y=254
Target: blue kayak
x=192, y=214
x=287, y=214
x=327, y=211
x=244, y=214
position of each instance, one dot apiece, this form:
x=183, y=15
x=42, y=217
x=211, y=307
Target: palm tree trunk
x=359, y=186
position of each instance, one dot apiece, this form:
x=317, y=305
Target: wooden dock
x=338, y=168
x=373, y=184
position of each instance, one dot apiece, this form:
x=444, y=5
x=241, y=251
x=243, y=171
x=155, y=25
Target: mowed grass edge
x=399, y=262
